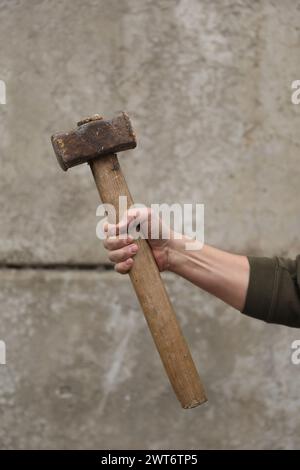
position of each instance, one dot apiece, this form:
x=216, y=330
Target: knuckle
x=112, y=230
x=114, y=255
x=118, y=255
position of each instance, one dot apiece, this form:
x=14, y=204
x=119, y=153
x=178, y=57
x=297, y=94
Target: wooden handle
x=152, y=294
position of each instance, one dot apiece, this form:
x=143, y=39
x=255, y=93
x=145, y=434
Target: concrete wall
x=208, y=86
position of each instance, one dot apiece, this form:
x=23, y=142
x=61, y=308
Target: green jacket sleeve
x=274, y=290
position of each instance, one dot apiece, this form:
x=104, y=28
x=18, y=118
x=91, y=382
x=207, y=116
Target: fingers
x=115, y=243
x=124, y=267
x=121, y=251
x=119, y=243
x=121, y=228
x=123, y=254
x=132, y=222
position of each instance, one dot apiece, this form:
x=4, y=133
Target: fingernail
x=134, y=249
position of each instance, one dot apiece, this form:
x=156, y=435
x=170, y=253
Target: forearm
x=222, y=274
x=264, y=288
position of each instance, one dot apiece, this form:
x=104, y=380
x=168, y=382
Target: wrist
x=176, y=251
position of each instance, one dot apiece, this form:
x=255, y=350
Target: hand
x=121, y=244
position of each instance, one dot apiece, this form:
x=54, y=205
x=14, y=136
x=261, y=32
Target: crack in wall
x=102, y=267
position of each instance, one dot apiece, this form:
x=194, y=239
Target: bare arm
x=264, y=288
x=222, y=274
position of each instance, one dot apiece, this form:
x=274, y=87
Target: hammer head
x=93, y=138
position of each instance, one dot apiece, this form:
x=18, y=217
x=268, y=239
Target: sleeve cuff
x=261, y=289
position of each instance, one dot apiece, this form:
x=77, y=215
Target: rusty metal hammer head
x=93, y=138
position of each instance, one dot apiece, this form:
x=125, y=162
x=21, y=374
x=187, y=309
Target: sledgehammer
x=97, y=141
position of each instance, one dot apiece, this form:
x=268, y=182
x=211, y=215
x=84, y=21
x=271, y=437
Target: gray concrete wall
x=208, y=86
